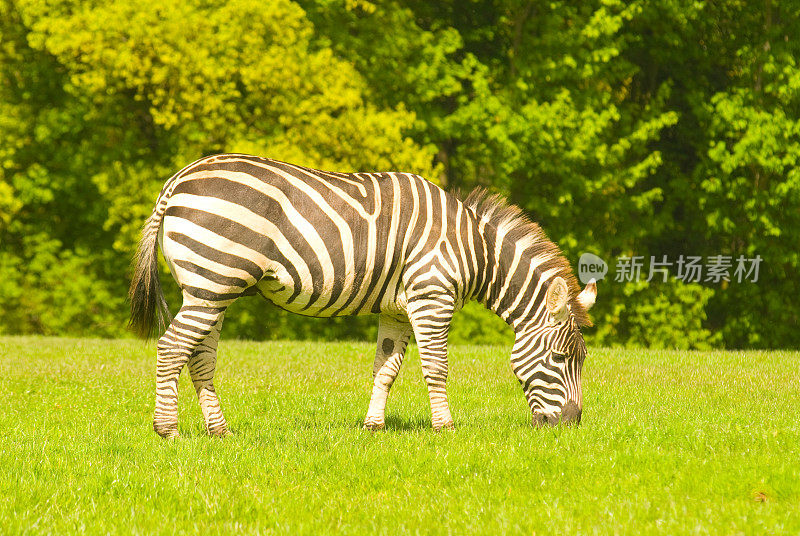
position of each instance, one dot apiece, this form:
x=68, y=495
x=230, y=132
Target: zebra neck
x=514, y=287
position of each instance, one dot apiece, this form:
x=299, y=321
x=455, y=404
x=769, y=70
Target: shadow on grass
x=395, y=423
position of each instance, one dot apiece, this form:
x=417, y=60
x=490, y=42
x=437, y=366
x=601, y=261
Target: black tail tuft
x=149, y=310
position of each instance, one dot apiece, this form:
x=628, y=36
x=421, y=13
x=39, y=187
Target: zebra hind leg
x=393, y=336
x=202, y=365
x=190, y=327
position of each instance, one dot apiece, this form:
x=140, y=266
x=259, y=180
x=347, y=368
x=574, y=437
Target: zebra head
x=548, y=356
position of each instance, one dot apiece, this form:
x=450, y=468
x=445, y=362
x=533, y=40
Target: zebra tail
x=149, y=310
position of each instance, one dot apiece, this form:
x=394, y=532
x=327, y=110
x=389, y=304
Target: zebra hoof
x=220, y=432
x=374, y=426
x=167, y=431
x=445, y=426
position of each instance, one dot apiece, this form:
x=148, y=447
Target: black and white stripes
x=325, y=244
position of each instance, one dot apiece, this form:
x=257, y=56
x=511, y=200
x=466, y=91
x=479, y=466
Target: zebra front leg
x=190, y=327
x=393, y=336
x=431, y=321
x=202, y=365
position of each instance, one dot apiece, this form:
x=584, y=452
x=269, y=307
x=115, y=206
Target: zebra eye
x=559, y=358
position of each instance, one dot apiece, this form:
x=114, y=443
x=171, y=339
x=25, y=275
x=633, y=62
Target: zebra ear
x=556, y=298
x=588, y=295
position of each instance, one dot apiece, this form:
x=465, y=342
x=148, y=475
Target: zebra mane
x=515, y=224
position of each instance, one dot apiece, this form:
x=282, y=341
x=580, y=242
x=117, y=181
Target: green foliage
x=669, y=127
x=102, y=102
x=474, y=324
x=256, y=319
x=659, y=315
x=653, y=128
x=56, y=291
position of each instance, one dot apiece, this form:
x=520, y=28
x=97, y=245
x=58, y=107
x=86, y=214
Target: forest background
x=661, y=128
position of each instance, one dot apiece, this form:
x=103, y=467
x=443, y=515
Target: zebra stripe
x=321, y=243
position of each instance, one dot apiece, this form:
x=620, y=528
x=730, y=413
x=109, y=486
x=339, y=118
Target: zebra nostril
x=571, y=413
x=538, y=420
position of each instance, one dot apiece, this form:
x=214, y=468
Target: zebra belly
x=279, y=288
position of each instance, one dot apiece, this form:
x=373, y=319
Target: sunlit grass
x=671, y=442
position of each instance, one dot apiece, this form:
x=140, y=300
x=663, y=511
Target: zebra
x=321, y=243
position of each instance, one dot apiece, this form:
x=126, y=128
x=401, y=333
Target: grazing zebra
x=320, y=243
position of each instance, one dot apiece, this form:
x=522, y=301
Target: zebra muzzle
x=570, y=415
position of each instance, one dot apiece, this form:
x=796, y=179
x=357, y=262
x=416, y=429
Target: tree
x=103, y=102
x=647, y=128
x=667, y=127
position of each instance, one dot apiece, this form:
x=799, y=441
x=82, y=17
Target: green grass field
x=670, y=443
